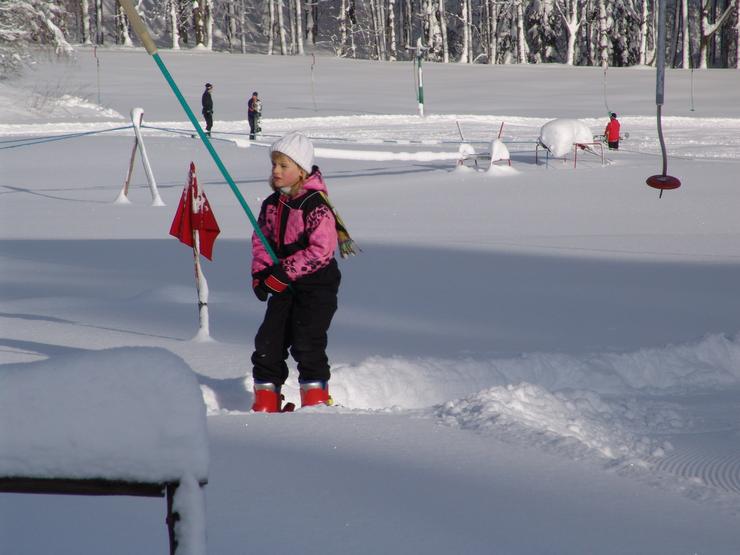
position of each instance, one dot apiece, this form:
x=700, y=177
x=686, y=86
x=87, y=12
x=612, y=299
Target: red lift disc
x=663, y=182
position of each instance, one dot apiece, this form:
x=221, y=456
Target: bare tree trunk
x=465, y=30
x=85, y=13
x=351, y=14
x=243, y=25
x=642, y=60
x=443, y=32
x=382, y=27
x=603, y=42
x=393, y=54
x=124, y=37
x=99, y=28
x=408, y=23
x=174, y=28
x=342, y=27
x=198, y=24
x=208, y=22
x=312, y=21
x=737, y=34
x=231, y=23
x=299, y=26
x=281, y=28
x=271, y=33
x=493, y=11
x=685, y=37
x=521, y=37
x=292, y=26
x=471, y=51
x=572, y=21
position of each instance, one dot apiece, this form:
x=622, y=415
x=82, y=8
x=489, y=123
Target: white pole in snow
x=137, y=116
x=201, y=284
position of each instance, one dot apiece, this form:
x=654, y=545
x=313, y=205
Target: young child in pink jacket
x=301, y=226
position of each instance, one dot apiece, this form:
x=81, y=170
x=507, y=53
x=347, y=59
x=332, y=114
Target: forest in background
x=701, y=33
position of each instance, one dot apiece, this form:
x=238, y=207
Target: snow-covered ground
x=535, y=359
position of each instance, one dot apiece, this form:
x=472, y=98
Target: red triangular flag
x=194, y=214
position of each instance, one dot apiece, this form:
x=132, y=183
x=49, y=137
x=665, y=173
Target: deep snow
x=532, y=360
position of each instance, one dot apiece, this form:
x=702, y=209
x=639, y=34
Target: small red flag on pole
x=194, y=214
x=195, y=225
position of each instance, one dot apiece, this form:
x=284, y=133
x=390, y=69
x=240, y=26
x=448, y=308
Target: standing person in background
x=611, y=132
x=207, y=103
x=254, y=112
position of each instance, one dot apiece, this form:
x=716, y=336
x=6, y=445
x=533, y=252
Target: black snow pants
x=208, y=116
x=298, y=321
x=251, y=117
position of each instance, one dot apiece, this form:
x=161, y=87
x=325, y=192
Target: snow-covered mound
x=559, y=135
x=381, y=382
x=578, y=423
x=125, y=413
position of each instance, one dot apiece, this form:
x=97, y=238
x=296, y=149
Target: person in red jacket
x=611, y=133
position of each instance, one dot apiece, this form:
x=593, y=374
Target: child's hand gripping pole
x=146, y=39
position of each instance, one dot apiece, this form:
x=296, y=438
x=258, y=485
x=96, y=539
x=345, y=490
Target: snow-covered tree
x=26, y=23
x=391, y=33
x=573, y=14
x=707, y=29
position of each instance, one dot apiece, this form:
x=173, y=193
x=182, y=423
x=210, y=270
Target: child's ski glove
x=270, y=280
x=277, y=280
x=258, y=286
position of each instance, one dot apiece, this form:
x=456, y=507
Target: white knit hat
x=298, y=147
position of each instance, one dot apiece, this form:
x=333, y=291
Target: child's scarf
x=347, y=246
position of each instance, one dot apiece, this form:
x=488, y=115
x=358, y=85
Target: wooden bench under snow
x=125, y=421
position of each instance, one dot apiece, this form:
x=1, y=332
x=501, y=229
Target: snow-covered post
x=201, y=284
x=137, y=116
x=195, y=225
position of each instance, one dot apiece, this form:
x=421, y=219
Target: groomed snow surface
x=527, y=359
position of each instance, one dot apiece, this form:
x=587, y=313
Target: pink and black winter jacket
x=302, y=232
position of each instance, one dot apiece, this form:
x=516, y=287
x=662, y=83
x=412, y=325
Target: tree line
x=701, y=33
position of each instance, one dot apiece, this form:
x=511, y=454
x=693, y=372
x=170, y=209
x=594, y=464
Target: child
x=302, y=229
x=611, y=132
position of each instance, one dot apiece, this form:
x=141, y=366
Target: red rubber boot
x=266, y=398
x=315, y=393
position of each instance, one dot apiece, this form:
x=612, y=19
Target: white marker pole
x=137, y=116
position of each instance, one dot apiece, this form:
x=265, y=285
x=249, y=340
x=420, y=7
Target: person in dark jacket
x=611, y=133
x=254, y=112
x=207, y=103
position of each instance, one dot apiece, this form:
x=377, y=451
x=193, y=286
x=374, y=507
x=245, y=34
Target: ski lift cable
x=51, y=138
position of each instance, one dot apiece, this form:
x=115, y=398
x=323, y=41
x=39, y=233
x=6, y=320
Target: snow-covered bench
x=126, y=421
